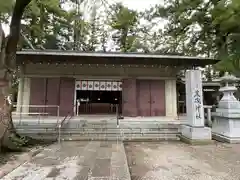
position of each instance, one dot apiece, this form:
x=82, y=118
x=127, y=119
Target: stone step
x=36, y=127
x=99, y=127
x=102, y=131
x=92, y=126
x=95, y=133
x=54, y=136
x=113, y=138
x=125, y=124
x=98, y=132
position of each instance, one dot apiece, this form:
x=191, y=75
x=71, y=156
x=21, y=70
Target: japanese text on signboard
x=197, y=104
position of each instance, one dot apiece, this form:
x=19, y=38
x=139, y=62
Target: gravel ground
x=178, y=161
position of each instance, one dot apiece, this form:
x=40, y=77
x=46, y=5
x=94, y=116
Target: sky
x=138, y=5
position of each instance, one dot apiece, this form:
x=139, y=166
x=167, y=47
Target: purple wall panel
x=37, y=94
x=52, y=98
x=151, y=97
x=158, y=98
x=67, y=88
x=143, y=100
x=129, y=99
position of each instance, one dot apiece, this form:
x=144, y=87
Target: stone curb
x=14, y=164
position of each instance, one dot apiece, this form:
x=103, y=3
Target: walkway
x=76, y=161
x=147, y=161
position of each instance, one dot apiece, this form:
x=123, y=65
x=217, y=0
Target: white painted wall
x=20, y=94
x=23, y=95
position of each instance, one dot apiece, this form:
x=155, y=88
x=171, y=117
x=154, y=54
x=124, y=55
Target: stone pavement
x=178, y=161
x=76, y=161
x=95, y=160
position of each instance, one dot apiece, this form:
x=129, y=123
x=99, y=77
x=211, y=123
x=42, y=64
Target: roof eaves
x=119, y=55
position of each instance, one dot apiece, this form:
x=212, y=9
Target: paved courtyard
x=76, y=161
x=178, y=161
x=95, y=160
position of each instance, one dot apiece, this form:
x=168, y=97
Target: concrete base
x=196, y=135
x=226, y=139
x=194, y=141
x=226, y=129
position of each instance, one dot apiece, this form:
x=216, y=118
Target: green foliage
x=45, y=22
x=6, y=6
x=231, y=61
x=203, y=27
x=124, y=22
x=189, y=26
x=227, y=15
x=19, y=142
x=48, y=25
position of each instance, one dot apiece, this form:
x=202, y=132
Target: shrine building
x=133, y=84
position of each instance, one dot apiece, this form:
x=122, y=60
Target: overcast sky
x=138, y=4
x=132, y=4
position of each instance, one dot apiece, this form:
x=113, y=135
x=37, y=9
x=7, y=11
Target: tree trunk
x=6, y=125
x=2, y=127
x=7, y=67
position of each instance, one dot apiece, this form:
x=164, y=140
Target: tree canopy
x=200, y=27
x=207, y=28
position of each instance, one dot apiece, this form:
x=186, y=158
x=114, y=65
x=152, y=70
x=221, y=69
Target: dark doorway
x=98, y=102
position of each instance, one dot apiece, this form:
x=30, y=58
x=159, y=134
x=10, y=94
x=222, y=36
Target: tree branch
x=14, y=35
x=2, y=38
x=27, y=41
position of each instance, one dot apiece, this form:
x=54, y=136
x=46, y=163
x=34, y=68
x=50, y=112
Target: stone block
x=226, y=129
x=196, y=135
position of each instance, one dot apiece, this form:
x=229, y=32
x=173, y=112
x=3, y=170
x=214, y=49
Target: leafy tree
x=231, y=61
x=227, y=15
x=46, y=24
x=124, y=21
x=92, y=32
x=201, y=27
x=189, y=28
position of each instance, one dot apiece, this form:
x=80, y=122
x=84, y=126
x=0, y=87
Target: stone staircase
x=127, y=130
